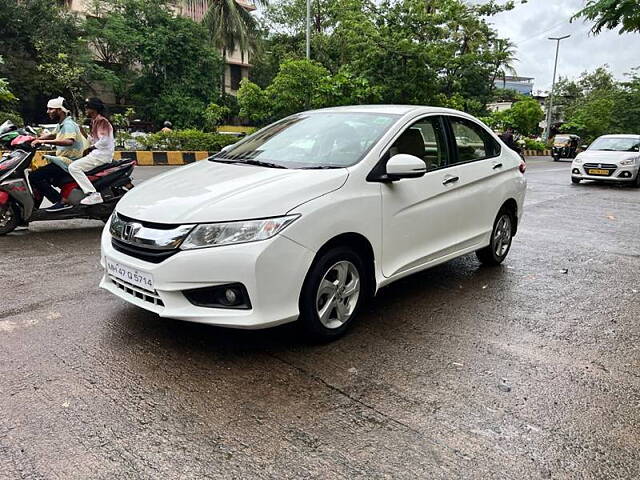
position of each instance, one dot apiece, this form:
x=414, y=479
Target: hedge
x=186, y=140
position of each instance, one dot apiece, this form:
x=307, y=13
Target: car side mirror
x=403, y=165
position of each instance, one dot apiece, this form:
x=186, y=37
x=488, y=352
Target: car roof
x=390, y=109
x=622, y=135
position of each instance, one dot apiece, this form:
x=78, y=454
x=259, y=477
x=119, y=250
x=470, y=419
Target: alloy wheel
x=502, y=235
x=338, y=294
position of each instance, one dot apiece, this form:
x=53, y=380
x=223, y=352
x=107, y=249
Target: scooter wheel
x=9, y=218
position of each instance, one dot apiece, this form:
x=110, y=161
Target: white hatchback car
x=611, y=158
x=309, y=216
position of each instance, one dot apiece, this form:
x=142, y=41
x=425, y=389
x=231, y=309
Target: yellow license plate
x=597, y=171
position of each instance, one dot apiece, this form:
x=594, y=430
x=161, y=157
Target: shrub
x=530, y=144
x=13, y=117
x=187, y=140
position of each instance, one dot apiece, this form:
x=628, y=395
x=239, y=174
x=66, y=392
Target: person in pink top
x=100, y=152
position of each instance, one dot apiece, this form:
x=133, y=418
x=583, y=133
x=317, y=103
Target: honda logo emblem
x=129, y=231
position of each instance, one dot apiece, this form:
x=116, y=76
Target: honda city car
x=611, y=158
x=310, y=216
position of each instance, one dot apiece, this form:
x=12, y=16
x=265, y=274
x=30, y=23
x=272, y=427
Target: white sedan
x=611, y=158
x=310, y=216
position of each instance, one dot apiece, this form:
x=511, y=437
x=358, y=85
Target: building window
x=235, y=72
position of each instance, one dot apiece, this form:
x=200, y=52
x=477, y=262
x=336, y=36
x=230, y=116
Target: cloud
x=530, y=24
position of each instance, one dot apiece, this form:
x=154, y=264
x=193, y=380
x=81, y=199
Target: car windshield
x=617, y=144
x=311, y=140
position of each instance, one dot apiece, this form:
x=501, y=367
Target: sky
x=529, y=25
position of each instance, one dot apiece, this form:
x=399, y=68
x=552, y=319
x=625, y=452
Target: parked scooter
x=20, y=202
x=9, y=132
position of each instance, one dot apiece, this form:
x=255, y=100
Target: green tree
x=41, y=42
x=610, y=14
x=523, y=116
x=143, y=47
x=588, y=103
x=229, y=26
x=6, y=97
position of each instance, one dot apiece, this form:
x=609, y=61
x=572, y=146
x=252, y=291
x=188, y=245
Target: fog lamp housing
x=576, y=171
x=232, y=296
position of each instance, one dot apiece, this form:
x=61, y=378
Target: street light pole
x=547, y=129
x=308, y=29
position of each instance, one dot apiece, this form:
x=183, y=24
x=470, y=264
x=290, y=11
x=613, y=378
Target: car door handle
x=497, y=166
x=448, y=180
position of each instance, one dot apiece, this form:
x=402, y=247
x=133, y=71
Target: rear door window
x=472, y=142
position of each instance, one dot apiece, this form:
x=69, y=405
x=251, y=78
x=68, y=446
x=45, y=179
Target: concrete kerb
x=143, y=157
x=147, y=158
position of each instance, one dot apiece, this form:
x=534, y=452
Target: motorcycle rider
x=101, y=150
x=69, y=142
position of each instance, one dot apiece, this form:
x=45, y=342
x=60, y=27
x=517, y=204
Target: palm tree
x=231, y=25
x=505, y=57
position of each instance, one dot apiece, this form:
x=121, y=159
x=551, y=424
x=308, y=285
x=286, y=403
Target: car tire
x=636, y=182
x=334, y=289
x=575, y=180
x=9, y=218
x=501, y=239
x=555, y=159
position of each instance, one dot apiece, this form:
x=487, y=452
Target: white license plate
x=130, y=275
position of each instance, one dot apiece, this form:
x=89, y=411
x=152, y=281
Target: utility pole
x=547, y=129
x=308, y=29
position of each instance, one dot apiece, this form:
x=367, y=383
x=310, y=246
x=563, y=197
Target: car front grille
x=136, y=292
x=600, y=166
x=142, y=253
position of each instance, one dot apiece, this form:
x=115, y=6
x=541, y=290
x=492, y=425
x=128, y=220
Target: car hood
x=216, y=192
x=602, y=156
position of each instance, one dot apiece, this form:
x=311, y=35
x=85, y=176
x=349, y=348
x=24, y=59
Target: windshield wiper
x=320, y=167
x=260, y=163
x=248, y=161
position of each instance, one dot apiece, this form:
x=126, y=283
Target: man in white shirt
x=100, y=152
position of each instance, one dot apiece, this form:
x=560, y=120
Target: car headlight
x=116, y=225
x=628, y=161
x=216, y=234
x=577, y=160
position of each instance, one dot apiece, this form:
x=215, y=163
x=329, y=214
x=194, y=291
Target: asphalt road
x=529, y=370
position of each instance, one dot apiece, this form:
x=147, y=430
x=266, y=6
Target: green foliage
x=254, y=103
x=123, y=119
x=610, y=14
x=438, y=52
x=596, y=104
x=301, y=85
x=530, y=144
x=6, y=97
x=186, y=140
x=154, y=59
x=12, y=117
x=44, y=53
x=523, y=116
x=214, y=115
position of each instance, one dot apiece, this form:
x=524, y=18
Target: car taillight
x=523, y=166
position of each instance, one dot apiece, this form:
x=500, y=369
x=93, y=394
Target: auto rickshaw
x=565, y=146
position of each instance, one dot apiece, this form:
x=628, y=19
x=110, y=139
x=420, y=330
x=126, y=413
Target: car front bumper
x=620, y=174
x=272, y=271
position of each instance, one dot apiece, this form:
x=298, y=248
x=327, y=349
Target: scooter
x=20, y=202
x=9, y=132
